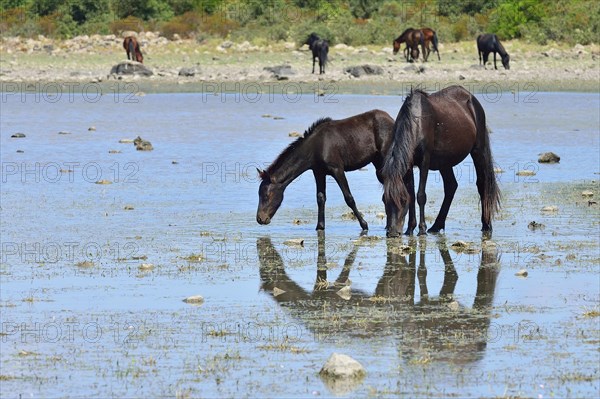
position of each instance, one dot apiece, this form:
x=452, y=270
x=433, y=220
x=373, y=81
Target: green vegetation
x=353, y=22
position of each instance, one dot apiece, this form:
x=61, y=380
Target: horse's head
x=139, y=57
x=270, y=196
x=505, y=61
x=396, y=46
x=313, y=37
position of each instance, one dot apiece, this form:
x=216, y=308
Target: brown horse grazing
x=413, y=38
x=329, y=147
x=489, y=43
x=430, y=38
x=437, y=131
x=131, y=46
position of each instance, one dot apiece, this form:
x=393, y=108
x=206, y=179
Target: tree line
x=353, y=22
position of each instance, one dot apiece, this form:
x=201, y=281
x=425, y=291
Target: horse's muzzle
x=260, y=220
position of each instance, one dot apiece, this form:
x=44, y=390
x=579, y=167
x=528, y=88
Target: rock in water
x=548, y=157
x=194, y=300
x=18, y=136
x=142, y=145
x=342, y=366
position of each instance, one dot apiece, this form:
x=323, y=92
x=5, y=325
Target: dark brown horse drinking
x=132, y=47
x=329, y=147
x=320, y=49
x=413, y=38
x=436, y=132
x=489, y=43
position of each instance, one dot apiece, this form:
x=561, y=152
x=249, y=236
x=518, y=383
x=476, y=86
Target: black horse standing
x=320, y=49
x=489, y=43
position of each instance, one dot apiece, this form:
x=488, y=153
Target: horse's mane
x=293, y=146
x=400, y=157
x=404, y=136
x=501, y=49
x=403, y=33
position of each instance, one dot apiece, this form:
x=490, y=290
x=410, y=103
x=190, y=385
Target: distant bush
x=130, y=23
x=185, y=25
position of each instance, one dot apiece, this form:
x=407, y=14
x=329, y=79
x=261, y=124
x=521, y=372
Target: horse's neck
x=296, y=163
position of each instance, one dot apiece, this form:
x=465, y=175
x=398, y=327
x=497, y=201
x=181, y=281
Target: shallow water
x=111, y=329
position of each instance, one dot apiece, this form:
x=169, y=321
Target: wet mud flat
x=94, y=276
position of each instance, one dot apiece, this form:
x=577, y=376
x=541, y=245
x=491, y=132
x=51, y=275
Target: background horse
x=413, y=38
x=320, y=49
x=437, y=132
x=328, y=148
x=430, y=38
x=489, y=43
x=132, y=47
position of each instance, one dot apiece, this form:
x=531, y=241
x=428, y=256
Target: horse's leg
x=421, y=196
x=409, y=183
x=450, y=186
x=314, y=60
x=480, y=165
x=321, y=198
x=495, y=67
x=485, y=59
x=478, y=53
x=450, y=275
x=340, y=178
x=422, y=277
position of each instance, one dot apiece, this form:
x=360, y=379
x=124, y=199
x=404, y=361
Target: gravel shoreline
x=223, y=66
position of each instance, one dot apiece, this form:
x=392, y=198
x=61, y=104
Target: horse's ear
x=264, y=175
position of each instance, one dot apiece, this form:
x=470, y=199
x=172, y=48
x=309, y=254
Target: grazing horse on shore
x=328, y=148
x=413, y=38
x=320, y=49
x=436, y=132
x=489, y=43
x=430, y=38
x=132, y=47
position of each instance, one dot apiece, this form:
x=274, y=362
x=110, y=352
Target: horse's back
x=454, y=122
x=355, y=141
x=487, y=42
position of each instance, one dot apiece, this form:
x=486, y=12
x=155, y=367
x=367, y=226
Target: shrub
x=129, y=23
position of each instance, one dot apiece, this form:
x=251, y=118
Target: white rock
x=194, y=300
x=342, y=366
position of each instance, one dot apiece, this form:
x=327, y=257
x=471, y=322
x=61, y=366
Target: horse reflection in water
x=438, y=325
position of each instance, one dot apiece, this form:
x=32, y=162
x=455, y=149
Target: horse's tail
x=132, y=50
x=323, y=51
x=490, y=201
x=435, y=45
x=398, y=159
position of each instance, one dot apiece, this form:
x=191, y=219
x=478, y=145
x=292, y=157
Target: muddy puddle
x=94, y=276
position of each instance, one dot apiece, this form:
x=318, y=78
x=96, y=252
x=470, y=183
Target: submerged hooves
x=435, y=230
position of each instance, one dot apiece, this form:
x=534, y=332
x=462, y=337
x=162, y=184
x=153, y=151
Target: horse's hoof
x=320, y=227
x=364, y=232
x=435, y=230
